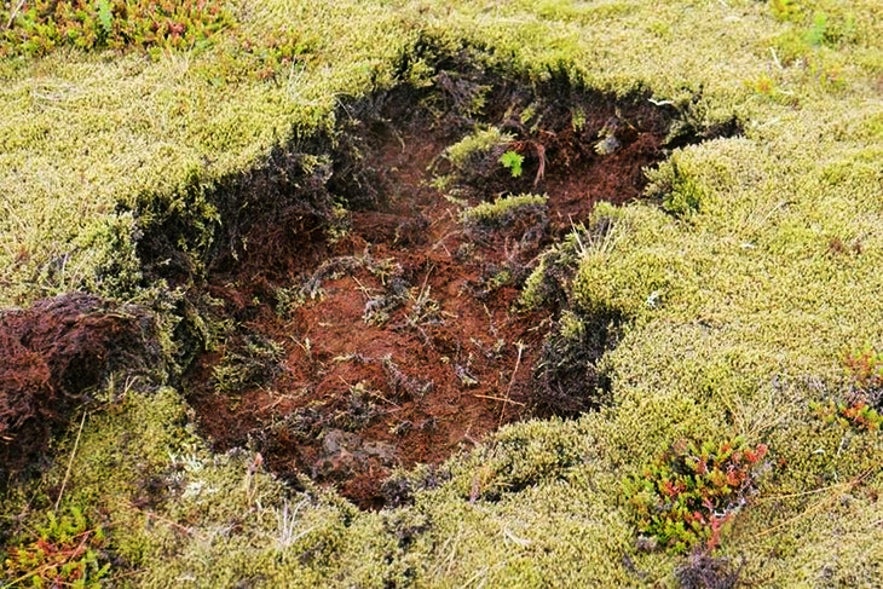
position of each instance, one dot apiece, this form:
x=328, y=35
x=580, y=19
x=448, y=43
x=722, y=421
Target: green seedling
x=512, y=161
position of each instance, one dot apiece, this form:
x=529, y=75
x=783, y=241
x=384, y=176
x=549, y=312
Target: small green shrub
x=678, y=184
x=692, y=490
x=811, y=32
x=65, y=552
x=860, y=409
x=857, y=414
x=865, y=370
x=815, y=35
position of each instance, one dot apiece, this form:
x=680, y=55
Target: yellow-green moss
x=740, y=295
x=503, y=210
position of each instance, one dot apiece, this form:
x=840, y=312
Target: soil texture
x=53, y=355
x=389, y=334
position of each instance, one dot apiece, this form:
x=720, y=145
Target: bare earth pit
x=390, y=335
x=399, y=340
x=364, y=290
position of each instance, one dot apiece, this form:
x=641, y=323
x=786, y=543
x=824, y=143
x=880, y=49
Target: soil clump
x=55, y=355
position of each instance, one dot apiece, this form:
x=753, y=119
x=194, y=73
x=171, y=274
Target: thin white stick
x=70, y=463
x=511, y=382
x=14, y=13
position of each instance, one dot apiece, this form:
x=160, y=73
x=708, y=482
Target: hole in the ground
x=384, y=334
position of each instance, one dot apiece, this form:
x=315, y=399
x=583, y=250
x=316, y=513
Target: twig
x=172, y=524
x=541, y=170
x=365, y=290
x=70, y=463
x=520, y=347
x=820, y=504
x=441, y=240
x=68, y=555
x=776, y=58
x=14, y=13
x=492, y=398
x=425, y=280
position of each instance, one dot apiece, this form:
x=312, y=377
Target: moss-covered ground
x=740, y=283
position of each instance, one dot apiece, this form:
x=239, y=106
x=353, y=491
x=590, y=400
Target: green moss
x=254, y=362
x=503, y=210
x=473, y=147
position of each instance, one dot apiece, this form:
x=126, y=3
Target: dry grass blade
x=70, y=463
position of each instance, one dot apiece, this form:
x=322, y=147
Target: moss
x=503, y=211
x=253, y=363
x=737, y=307
x=476, y=146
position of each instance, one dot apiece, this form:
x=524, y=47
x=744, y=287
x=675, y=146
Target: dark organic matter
x=52, y=355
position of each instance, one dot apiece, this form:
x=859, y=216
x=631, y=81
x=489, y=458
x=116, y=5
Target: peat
x=53, y=356
x=389, y=333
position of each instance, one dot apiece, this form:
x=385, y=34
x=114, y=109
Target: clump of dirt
x=388, y=333
x=53, y=355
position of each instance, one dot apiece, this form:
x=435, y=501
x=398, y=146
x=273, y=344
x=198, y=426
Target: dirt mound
x=388, y=333
x=53, y=355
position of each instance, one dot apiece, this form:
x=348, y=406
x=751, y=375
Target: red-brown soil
x=52, y=355
x=408, y=345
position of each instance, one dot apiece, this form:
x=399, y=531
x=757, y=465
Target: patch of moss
x=734, y=307
x=503, y=211
x=477, y=145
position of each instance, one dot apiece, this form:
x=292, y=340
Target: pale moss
x=737, y=313
x=473, y=146
x=551, y=278
x=503, y=210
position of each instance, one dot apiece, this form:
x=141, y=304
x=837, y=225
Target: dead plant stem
x=14, y=13
x=70, y=463
x=506, y=401
x=152, y=515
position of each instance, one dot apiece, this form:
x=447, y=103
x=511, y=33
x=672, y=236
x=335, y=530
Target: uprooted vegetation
x=57, y=355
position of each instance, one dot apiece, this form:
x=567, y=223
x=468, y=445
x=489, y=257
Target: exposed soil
x=53, y=355
x=370, y=324
x=390, y=335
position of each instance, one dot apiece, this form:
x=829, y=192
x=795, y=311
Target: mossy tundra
x=740, y=283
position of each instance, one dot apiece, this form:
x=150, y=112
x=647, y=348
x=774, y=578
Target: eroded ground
x=392, y=334
x=370, y=317
x=55, y=355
